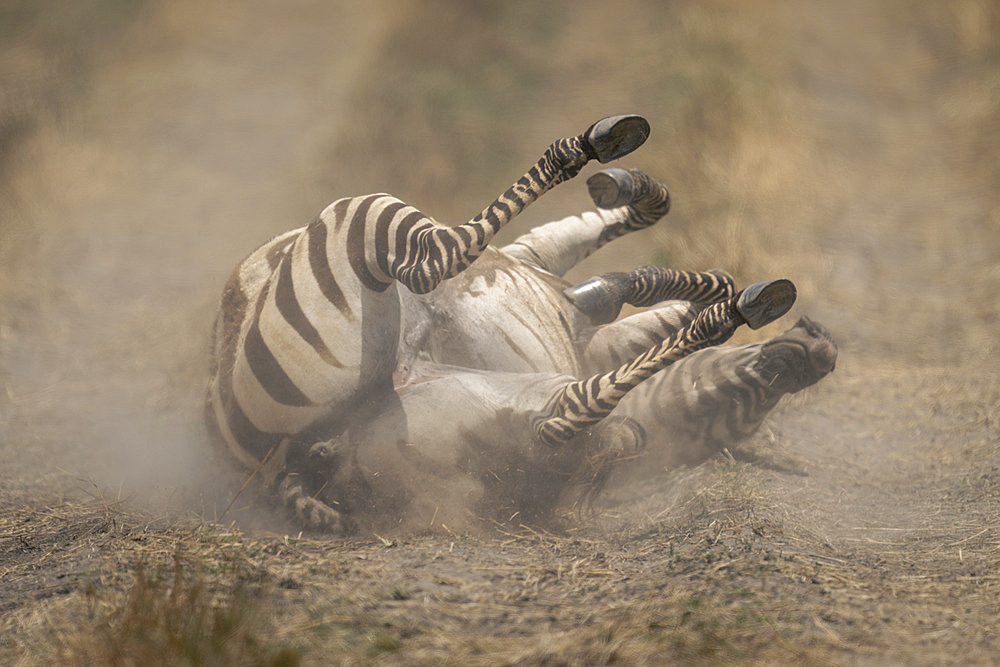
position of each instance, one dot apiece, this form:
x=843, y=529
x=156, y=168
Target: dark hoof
x=762, y=303
x=596, y=300
x=617, y=136
x=611, y=188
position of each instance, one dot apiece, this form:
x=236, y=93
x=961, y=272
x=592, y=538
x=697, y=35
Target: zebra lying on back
x=315, y=337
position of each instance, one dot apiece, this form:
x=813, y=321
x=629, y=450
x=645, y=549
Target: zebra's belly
x=501, y=315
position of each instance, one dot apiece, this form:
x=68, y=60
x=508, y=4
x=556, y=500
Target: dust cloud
x=135, y=186
x=147, y=147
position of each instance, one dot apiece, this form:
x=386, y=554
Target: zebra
x=314, y=333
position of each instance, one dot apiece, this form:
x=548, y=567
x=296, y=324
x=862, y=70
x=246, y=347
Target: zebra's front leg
x=627, y=201
x=433, y=252
x=601, y=298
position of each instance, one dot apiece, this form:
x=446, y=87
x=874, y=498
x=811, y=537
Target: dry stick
x=252, y=475
x=316, y=495
x=972, y=537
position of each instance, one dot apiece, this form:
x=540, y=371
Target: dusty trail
x=911, y=253
x=867, y=529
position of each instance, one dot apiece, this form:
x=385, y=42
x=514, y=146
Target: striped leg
x=627, y=201
x=613, y=344
x=603, y=296
x=581, y=404
x=312, y=513
x=432, y=252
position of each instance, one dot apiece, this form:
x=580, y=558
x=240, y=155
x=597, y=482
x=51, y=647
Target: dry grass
x=715, y=564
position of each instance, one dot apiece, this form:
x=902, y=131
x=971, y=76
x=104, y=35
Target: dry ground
x=148, y=146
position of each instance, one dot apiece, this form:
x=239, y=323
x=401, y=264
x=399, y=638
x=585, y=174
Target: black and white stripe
x=718, y=397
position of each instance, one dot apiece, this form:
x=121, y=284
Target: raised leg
x=433, y=252
x=583, y=403
x=613, y=344
x=627, y=201
x=603, y=296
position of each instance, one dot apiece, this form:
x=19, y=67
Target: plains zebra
x=313, y=331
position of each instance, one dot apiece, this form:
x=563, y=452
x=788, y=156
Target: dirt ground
x=147, y=147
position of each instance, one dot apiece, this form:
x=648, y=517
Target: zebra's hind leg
x=627, y=201
x=601, y=298
x=434, y=252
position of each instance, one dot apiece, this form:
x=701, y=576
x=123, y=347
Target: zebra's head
x=798, y=358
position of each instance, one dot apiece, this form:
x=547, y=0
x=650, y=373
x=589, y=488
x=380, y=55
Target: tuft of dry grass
x=173, y=616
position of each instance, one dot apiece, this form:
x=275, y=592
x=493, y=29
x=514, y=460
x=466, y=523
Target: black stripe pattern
x=586, y=402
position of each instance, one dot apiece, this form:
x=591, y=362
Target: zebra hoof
x=762, y=303
x=617, y=136
x=597, y=299
x=611, y=188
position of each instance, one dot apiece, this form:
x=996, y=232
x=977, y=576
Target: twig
x=252, y=475
x=972, y=537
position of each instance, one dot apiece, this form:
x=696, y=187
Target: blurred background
x=146, y=147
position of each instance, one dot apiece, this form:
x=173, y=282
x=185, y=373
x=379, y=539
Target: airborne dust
x=147, y=147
